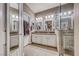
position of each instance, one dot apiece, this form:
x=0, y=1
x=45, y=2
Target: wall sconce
x=52, y=16
x=17, y=17
x=69, y=12
x=49, y=16
x=46, y=17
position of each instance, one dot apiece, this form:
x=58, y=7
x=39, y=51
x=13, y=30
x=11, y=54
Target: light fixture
x=65, y=13
x=13, y=16
x=49, y=16
x=16, y=16
x=36, y=18
x=46, y=17
x=52, y=16
x=69, y=12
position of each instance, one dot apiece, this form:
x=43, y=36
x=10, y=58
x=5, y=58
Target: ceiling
x=38, y=7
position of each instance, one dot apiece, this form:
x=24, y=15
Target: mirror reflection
x=14, y=26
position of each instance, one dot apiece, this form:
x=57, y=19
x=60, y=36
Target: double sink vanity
x=44, y=38
x=51, y=39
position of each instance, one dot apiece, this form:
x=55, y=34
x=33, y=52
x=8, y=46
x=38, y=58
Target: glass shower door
x=66, y=25
x=14, y=29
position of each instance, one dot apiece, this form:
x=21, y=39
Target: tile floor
x=32, y=50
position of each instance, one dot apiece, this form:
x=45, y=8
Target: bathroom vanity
x=44, y=38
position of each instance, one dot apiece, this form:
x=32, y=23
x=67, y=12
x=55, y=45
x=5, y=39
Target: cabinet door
x=44, y=40
x=39, y=38
x=68, y=42
x=52, y=41
x=34, y=38
x=49, y=41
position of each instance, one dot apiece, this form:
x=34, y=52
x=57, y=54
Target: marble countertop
x=44, y=33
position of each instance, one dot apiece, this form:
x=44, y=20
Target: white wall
x=2, y=33
x=76, y=29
